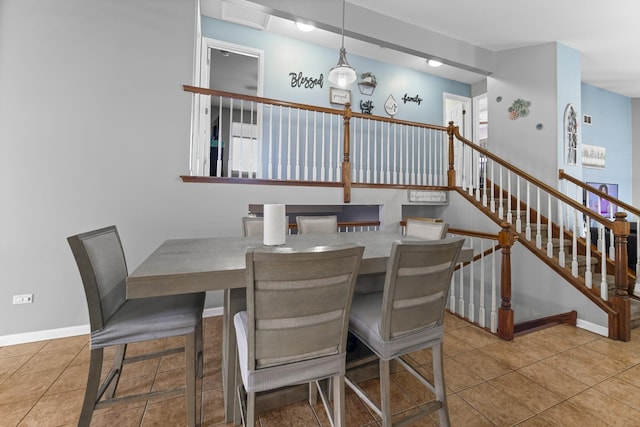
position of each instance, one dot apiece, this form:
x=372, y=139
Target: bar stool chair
x=295, y=327
x=324, y=224
x=116, y=321
x=428, y=230
x=407, y=316
x=254, y=226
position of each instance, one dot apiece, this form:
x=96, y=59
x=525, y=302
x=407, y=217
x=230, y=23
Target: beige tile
x=9, y=365
x=538, y=347
x=581, y=363
x=567, y=414
x=553, y=380
x=482, y=364
x=58, y=358
x=212, y=407
x=420, y=357
x=610, y=410
x=626, y=352
x=452, y=345
x=506, y=353
x=69, y=344
x=29, y=385
x=501, y=409
x=462, y=414
x=72, y=378
x=475, y=337
x=536, y=421
x=298, y=414
x=145, y=347
x=13, y=413
x=400, y=401
x=571, y=335
x=131, y=417
x=356, y=412
x=22, y=349
x=452, y=322
x=631, y=375
x=55, y=410
x=169, y=412
x=531, y=394
x=618, y=389
x=416, y=391
x=458, y=377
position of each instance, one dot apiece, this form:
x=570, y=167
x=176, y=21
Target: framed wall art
x=339, y=96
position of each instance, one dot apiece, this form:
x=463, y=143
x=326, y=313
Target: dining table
x=180, y=266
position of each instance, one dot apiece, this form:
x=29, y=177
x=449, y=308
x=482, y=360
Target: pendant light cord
x=343, y=8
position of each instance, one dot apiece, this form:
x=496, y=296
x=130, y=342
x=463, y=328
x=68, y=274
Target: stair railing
x=550, y=224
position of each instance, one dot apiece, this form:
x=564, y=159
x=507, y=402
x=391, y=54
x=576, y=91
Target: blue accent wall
x=610, y=128
x=283, y=56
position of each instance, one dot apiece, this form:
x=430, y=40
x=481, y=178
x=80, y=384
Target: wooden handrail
x=547, y=188
x=627, y=207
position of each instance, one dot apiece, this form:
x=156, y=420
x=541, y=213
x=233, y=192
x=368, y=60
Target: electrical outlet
x=23, y=299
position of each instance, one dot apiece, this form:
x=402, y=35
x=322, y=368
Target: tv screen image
x=606, y=209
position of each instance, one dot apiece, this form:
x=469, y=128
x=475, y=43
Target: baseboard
x=71, y=331
x=592, y=327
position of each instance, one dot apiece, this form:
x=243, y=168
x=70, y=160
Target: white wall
x=635, y=150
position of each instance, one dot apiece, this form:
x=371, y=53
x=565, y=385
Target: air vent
x=586, y=119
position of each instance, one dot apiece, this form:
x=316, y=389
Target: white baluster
x=323, y=177
x=481, y=310
x=314, y=153
x=494, y=316
x=538, y=219
x=509, y=214
x=549, y=228
x=472, y=310
x=518, y=215
x=561, y=252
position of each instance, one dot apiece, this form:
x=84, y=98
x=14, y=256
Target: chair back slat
x=427, y=230
x=417, y=285
x=103, y=269
x=323, y=224
x=298, y=302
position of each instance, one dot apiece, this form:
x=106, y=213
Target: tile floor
x=560, y=376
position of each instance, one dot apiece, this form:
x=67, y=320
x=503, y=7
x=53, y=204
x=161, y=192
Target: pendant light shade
x=342, y=74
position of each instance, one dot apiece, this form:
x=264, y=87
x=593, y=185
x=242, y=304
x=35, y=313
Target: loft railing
x=296, y=144
x=267, y=139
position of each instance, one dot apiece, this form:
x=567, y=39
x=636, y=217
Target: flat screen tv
x=606, y=209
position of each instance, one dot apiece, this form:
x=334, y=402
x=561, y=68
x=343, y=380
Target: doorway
x=231, y=68
x=457, y=110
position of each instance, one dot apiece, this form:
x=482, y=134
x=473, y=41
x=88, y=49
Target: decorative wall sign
x=570, y=135
x=593, y=156
x=339, y=96
x=519, y=108
x=368, y=84
x=406, y=98
x=391, y=106
x=298, y=80
x=366, y=107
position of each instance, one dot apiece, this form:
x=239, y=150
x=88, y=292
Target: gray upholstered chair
x=325, y=224
x=408, y=316
x=295, y=327
x=116, y=321
x=254, y=226
x=428, y=230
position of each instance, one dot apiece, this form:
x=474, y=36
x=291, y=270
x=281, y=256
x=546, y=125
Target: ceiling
x=606, y=33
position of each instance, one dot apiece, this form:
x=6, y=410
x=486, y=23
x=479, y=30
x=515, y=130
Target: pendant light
x=342, y=74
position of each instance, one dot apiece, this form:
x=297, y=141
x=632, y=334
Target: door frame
x=201, y=117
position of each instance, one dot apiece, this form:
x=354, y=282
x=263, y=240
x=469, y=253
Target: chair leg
x=118, y=360
x=385, y=393
x=91, y=392
x=251, y=409
x=200, y=350
x=190, y=372
x=438, y=382
x=339, y=418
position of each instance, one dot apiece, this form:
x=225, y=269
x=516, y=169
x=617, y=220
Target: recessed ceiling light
x=434, y=63
x=305, y=27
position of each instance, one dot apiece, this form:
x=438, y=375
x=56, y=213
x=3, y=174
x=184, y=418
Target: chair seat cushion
x=151, y=318
x=364, y=321
x=281, y=375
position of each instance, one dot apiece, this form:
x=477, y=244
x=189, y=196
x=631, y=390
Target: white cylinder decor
x=275, y=229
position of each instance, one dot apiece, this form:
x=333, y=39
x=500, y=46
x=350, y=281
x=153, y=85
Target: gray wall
x=635, y=149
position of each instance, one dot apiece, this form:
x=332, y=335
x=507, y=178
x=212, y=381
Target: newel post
x=451, y=173
x=505, y=313
x=346, y=162
x=620, y=301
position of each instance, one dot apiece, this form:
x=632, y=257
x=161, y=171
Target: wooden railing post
x=620, y=300
x=346, y=162
x=451, y=173
x=505, y=313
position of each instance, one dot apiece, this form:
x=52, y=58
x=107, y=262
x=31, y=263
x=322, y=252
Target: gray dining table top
x=204, y=264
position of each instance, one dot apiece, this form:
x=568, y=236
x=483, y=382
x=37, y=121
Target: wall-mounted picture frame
x=339, y=96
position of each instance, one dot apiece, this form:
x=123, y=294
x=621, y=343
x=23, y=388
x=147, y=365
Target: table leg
x=234, y=301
